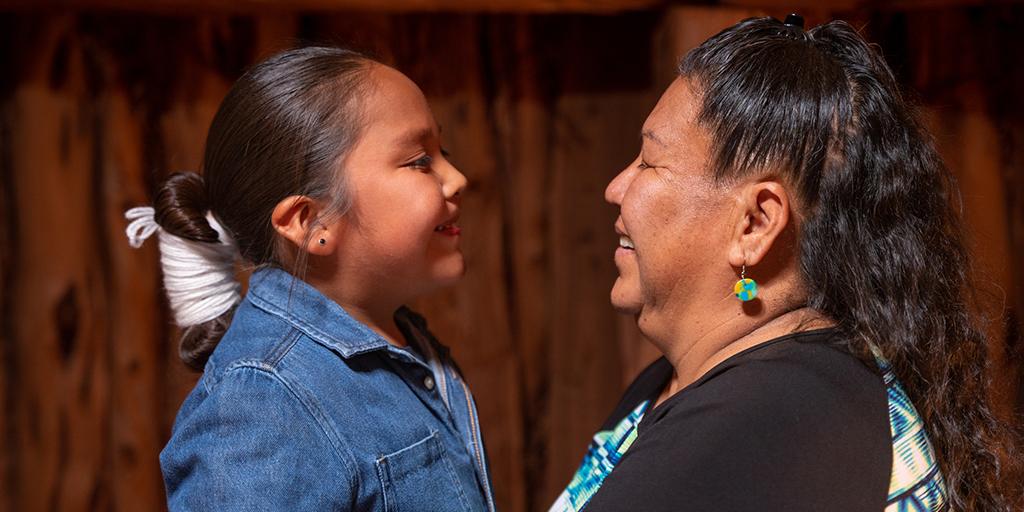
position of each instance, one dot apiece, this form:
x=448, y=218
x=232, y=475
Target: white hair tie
x=199, y=277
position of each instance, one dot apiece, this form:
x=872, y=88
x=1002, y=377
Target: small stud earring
x=745, y=289
x=323, y=241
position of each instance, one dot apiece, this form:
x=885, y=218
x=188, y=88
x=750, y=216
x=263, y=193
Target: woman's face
x=401, y=230
x=673, y=233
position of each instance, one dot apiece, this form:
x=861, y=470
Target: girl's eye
x=422, y=162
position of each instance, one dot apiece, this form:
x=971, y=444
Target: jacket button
x=428, y=382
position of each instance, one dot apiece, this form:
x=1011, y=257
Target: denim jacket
x=302, y=408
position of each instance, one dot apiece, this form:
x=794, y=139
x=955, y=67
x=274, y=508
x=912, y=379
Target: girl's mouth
x=449, y=229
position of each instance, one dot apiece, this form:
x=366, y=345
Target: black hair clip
x=794, y=20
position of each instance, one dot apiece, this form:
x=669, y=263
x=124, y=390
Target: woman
x=320, y=391
x=788, y=244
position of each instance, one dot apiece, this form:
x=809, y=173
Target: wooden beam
x=262, y=6
x=494, y=6
x=860, y=5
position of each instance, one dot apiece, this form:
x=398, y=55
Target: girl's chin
x=450, y=270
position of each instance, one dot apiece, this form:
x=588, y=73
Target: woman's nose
x=617, y=188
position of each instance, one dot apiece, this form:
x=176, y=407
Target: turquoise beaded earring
x=745, y=289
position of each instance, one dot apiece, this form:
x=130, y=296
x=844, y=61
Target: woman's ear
x=763, y=214
x=297, y=219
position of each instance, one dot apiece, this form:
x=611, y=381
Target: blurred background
x=541, y=103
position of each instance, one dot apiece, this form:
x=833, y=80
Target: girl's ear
x=296, y=219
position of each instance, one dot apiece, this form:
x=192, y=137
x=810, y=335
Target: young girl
x=320, y=391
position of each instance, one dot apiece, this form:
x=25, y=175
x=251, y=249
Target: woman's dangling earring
x=745, y=289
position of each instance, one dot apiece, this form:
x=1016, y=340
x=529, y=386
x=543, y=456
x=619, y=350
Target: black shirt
x=794, y=424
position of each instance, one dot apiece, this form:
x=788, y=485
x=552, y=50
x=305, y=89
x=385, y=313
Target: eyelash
x=425, y=161
x=422, y=162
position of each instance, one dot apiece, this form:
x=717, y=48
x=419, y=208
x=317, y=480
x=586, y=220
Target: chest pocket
x=421, y=477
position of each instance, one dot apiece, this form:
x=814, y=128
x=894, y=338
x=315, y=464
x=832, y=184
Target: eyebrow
x=651, y=135
x=414, y=137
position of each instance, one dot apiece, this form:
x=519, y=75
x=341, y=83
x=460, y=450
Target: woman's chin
x=624, y=301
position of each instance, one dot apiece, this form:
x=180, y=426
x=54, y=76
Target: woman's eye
x=642, y=165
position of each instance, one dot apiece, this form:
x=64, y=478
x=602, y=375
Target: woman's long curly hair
x=882, y=251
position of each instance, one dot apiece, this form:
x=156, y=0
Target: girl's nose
x=453, y=182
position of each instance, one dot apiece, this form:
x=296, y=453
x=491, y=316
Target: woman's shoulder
x=811, y=374
x=797, y=417
x=805, y=365
x=798, y=395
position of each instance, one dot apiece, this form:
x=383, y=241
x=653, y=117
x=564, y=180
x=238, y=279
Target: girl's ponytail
x=197, y=255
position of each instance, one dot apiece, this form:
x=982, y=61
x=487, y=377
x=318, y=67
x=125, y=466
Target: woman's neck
x=692, y=358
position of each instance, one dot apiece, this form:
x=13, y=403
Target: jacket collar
x=281, y=294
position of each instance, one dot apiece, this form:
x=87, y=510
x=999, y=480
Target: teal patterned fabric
x=604, y=453
x=915, y=484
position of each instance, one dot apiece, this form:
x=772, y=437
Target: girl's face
x=400, y=236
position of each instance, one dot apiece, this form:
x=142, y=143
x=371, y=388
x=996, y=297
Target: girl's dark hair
x=283, y=129
x=882, y=251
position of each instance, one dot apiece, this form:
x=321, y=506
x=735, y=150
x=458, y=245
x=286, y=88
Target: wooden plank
x=684, y=28
x=597, y=110
x=61, y=333
x=1014, y=130
x=134, y=478
x=8, y=244
x=595, y=135
x=520, y=124
x=969, y=141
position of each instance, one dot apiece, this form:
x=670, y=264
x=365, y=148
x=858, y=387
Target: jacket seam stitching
x=312, y=409
x=280, y=350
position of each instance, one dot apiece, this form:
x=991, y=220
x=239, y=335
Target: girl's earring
x=745, y=289
x=323, y=241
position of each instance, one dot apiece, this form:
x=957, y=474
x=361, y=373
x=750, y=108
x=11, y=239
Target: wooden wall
x=540, y=111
